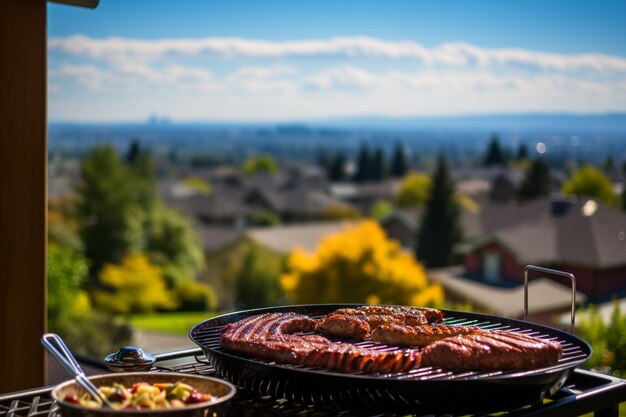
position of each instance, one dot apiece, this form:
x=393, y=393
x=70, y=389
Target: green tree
x=173, y=244
x=522, y=152
x=439, y=229
x=265, y=218
x=380, y=209
x=414, y=190
x=608, y=339
x=494, y=155
x=67, y=272
x=260, y=164
x=398, y=162
x=379, y=170
x=199, y=185
x=107, y=211
x=257, y=283
x=133, y=151
x=536, y=182
x=588, y=181
x=609, y=164
x=337, y=168
x=143, y=179
x=90, y=332
x=363, y=165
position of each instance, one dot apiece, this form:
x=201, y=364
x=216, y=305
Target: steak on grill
x=495, y=349
x=357, y=323
x=403, y=335
x=430, y=314
x=269, y=336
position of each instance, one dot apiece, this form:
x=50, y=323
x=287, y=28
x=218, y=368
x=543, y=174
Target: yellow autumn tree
x=133, y=286
x=358, y=265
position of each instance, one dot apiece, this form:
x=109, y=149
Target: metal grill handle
x=552, y=272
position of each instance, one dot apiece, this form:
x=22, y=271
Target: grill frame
x=424, y=390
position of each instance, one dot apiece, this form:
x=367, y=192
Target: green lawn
x=177, y=322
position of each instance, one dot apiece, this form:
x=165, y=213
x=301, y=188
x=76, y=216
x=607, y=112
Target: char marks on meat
x=496, y=349
x=431, y=315
x=357, y=323
x=404, y=335
x=352, y=327
x=269, y=336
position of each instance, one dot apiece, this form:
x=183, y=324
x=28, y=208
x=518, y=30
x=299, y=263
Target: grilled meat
x=346, y=357
x=496, y=349
x=352, y=327
x=403, y=335
x=269, y=336
x=357, y=323
x=431, y=314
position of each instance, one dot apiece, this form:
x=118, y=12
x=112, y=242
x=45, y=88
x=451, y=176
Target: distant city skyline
x=288, y=61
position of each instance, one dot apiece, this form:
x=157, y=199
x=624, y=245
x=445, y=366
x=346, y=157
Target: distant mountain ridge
x=496, y=122
x=614, y=122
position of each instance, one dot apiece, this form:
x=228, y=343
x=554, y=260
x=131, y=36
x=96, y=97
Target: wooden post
x=23, y=193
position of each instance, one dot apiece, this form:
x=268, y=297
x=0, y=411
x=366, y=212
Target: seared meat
x=341, y=325
x=267, y=336
x=356, y=323
x=402, y=335
x=431, y=314
x=497, y=350
x=346, y=357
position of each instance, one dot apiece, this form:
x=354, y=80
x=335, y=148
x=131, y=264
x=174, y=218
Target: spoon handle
x=57, y=347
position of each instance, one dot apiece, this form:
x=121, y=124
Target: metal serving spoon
x=57, y=347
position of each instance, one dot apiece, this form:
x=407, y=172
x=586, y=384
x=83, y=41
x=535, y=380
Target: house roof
x=216, y=237
x=576, y=232
x=284, y=239
x=544, y=294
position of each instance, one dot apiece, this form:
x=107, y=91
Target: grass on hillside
x=179, y=322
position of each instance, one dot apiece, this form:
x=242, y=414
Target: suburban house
x=238, y=202
x=580, y=236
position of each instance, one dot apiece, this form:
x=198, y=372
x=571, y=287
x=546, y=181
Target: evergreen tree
x=337, y=168
x=379, y=170
x=609, y=164
x=398, y=162
x=494, y=155
x=363, y=165
x=106, y=208
x=522, y=152
x=133, y=151
x=536, y=182
x=439, y=230
x=143, y=178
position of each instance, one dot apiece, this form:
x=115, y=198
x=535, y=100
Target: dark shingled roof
x=577, y=232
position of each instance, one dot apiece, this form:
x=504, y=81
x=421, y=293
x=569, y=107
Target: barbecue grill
x=584, y=392
x=425, y=389
x=270, y=389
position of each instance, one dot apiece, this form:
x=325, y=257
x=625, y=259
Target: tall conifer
x=537, y=181
x=439, y=230
x=398, y=162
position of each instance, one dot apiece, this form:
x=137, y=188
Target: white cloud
x=455, y=54
x=239, y=79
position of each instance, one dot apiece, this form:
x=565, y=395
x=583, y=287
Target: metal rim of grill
x=423, y=388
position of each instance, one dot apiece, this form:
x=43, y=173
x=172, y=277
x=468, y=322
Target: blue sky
x=299, y=60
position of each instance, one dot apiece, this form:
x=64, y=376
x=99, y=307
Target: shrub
x=608, y=340
x=358, y=265
x=196, y=296
x=134, y=286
